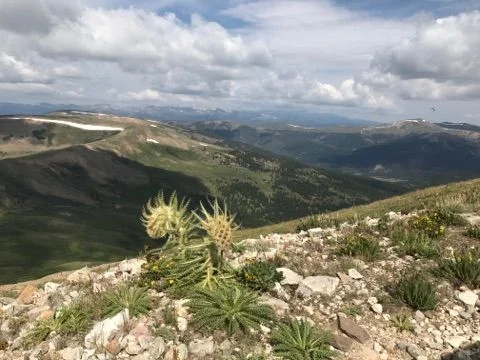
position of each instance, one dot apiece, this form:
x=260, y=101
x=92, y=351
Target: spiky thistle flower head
x=162, y=219
x=219, y=224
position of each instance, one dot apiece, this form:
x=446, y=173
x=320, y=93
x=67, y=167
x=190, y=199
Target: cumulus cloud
x=36, y=16
x=441, y=61
x=142, y=41
x=13, y=70
x=304, y=52
x=445, y=49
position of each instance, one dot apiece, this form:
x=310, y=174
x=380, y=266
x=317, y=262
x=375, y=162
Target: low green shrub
x=447, y=217
x=416, y=291
x=383, y=223
x=230, y=308
x=169, y=315
x=462, y=268
x=259, y=275
x=473, y=232
x=318, y=221
x=359, y=246
x=298, y=340
x=428, y=225
x=126, y=296
x=72, y=320
x=435, y=222
x=415, y=243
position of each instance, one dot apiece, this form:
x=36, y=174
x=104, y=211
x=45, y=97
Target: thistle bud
x=161, y=219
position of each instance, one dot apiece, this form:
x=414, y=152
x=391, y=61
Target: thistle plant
x=170, y=220
x=193, y=253
x=219, y=225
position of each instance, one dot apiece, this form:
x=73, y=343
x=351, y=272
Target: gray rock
x=413, y=351
x=131, y=266
x=456, y=341
x=102, y=331
x=280, y=306
x=280, y=292
x=341, y=342
x=71, y=353
x=182, y=324
x=290, y=276
x=225, y=346
x=472, y=219
x=377, y=308
x=133, y=348
x=469, y=298
x=51, y=287
x=156, y=348
x=419, y=316
x=317, y=285
x=201, y=347
x=354, y=274
x=81, y=276
x=315, y=232
x=353, y=330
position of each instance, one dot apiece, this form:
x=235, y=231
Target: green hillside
x=80, y=203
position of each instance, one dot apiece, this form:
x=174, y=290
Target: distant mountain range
x=191, y=114
x=414, y=150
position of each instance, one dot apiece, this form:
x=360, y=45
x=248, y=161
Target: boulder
x=290, y=276
x=353, y=330
x=179, y=352
x=317, y=285
x=281, y=307
x=354, y=274
x=131, y=266
x=51, y=287
x=456, y=341
x=341, y=342
x=377, y=308
x=201, y=347
x=71, y=353
x=156, y=348
x=182, y=324
x=468, y=297
x=27, y=295
x=81, y=276
x=315, y=232
x=104, y=331
x=46, y=315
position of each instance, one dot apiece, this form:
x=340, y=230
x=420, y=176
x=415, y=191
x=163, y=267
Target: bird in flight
x=433, y=109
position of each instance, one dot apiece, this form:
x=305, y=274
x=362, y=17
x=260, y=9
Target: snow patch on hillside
x=75, y=125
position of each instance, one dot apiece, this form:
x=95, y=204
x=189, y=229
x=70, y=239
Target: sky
x=375, y=59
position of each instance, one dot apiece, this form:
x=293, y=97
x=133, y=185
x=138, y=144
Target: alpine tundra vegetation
x=389, y=285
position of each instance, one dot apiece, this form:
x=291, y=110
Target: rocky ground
x=345, y=295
